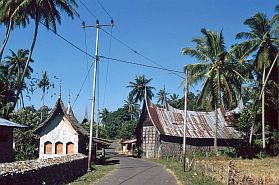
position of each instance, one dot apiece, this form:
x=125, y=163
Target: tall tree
x=162, y=96
x=139, y=87
x=16, y=64
x=260, y=41
x=275, y=20
x=104, y=115
x=221, y=80
x=44, y=84
x=11, y=20
x=131, y=105
x=47, y=13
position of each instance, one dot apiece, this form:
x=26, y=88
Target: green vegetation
x=94, y=176
x=188, y=177
x=26, y=144
x=247, y=71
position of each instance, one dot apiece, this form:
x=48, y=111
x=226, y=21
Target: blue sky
x=157, y=29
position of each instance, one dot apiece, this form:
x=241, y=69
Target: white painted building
x=61, y=134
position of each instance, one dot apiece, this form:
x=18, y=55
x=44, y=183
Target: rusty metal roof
x=199, y=124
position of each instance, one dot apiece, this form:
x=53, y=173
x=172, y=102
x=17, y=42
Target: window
x=58, y=148
x=70, y=148
x=48, y=148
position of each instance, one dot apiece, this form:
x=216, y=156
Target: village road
x=131, y=171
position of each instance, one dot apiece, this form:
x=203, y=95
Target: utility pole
x=94, y=89
x=185, y=117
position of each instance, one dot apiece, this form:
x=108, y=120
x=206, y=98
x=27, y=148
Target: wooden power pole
x=94, y=90
x=185, y=117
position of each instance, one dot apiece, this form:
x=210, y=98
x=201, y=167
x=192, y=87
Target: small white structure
x=61, y=134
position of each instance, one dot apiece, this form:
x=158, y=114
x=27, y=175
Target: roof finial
x=69, y=103
x=86, y=113
x=69, y=98
x=60, y=85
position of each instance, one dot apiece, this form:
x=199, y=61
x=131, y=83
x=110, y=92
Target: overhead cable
x=114, y=59
x=104, y=9
x=89, y=11
x=143, y=65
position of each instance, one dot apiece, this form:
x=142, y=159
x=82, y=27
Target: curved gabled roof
x=199, y=124
x=58, y=110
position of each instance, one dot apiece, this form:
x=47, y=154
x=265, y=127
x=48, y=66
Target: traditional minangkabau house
x=60, y=133
x=160, y=130
x=6, y=140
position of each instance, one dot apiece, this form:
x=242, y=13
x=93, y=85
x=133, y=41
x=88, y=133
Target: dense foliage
x=26, y=144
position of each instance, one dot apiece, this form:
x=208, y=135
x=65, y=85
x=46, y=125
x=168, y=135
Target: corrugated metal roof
x=199, y=124
x=7, y=123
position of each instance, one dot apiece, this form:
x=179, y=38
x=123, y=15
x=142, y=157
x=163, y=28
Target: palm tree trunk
x=7, y=35
x=263, y=98
x=28, y=59
x=31, y=49
x=215, y=130
x=22, y=101
x=253, y=124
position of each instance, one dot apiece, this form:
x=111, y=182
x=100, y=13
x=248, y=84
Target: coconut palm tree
x=16, y=63
x=162, y=96
x=139, y=87
x=221, y=80
x=10, y=20
x=44, y=84
x=104, y=115
x=275, y=20
x=47, y=13
x=261, y=42
x=131, y=105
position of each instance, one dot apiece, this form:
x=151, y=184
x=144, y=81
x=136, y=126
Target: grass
x=94, y=176
x=188, y=177
x=266, y=168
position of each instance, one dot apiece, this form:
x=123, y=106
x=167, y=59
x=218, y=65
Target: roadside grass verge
x=188, y=177
x=94, y=176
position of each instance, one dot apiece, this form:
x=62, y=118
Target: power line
x=133, y=50
x=143, y=65
x=69, y=42
x=85, y=42
x=104, y=9
x=82, y=84
x=114, y=59
x=105, y=90
x=90, y=12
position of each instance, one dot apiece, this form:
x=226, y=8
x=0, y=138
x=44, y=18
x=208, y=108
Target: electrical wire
x=104, y=9
x=133, y=50
x=113, y=59
x=89, y=11
x=107, y=71
x=85, y=42
x=69, y=42
x=143, y=65
x=82, y=84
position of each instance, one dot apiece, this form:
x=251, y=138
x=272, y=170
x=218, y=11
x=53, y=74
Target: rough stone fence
x=229, y=174
x=53, y=171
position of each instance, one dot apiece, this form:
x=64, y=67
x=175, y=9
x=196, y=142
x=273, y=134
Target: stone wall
x=53, y=171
